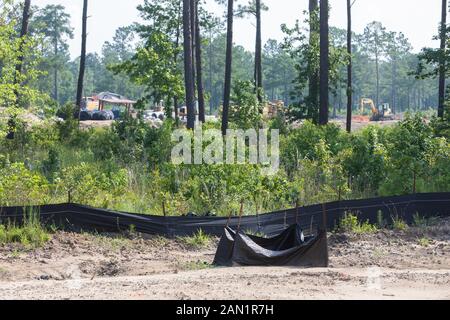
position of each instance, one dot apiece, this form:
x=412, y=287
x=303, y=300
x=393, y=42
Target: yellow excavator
x=382, y=113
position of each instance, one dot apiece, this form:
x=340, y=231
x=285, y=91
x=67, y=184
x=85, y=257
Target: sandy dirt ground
x=413, y=264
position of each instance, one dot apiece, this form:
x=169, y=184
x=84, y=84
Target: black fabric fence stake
x=241, y=212
x=229, y=219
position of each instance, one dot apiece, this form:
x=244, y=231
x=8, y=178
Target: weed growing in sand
x=111, y=242
x=424, y=242
x=351, y=223
x=423, y=222
x=198, y=240
x=30, y=234
x=419, y=221
x=399, y=224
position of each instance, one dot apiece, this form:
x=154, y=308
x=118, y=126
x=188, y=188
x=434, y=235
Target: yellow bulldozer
x=382, y=113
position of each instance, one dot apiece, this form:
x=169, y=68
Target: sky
x=417, y=19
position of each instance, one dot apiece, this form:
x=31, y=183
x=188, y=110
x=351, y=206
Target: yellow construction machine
x=381, y=113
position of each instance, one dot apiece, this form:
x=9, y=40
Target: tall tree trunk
x=377, y=67
x=198, y=56
x=188, y=67
x=442, y=67
x=349, y=67
x=194, y=42
x=258, y=52
x=55, y=72
x=211, y=99
x=228, y=67
x=23, y=34
x=83, y=56
x=314, y=72
x=175, y=57
x=324, y=63
x=394, y=86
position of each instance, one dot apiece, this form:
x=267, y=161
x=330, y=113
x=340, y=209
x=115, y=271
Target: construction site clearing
x=102, y=110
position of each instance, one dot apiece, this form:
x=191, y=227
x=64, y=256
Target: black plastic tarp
x=78, y=217
x=290, y=248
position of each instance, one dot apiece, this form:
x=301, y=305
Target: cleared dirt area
x=412, y=264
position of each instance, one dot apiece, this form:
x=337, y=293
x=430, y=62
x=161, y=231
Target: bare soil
x=412, y=264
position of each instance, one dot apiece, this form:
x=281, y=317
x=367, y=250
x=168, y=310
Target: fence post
x=325, y=228
x=164, y=209
x=241, y=212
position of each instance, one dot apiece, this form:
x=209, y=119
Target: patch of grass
x=198, y=240
x=424, y=242
x=419, y=221
x=113, y=243
x=423, y=222
x=31, y=234
x=159, y=241
x=351, y=223
x=399, y=224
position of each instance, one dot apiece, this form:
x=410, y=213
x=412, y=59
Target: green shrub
x=419, y=221
x=30, y=234
x=198, y=240
x=93, y=185
x=21, y=186
x=399, y=224
x=104, y=144
x=246, y=110
x=351, y=223
x=424, y=242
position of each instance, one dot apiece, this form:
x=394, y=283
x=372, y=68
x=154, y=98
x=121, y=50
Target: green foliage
x=16, y=88
x=154, y=68
x=350, y=223
x=245, y=111
x=414, y=154
x=52, y=164
x=198, y=240
x=399, y=224
x=86, y=184
x=30, y=234
x=21, y=186
x=69, y=126
x=303, y=47
x=424, y=242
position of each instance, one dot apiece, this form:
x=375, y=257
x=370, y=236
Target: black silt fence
x=78, y=217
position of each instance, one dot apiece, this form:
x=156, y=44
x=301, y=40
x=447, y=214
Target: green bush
x=30, y=234
x=89, y=184
x=21, y=186
x=351, y=223
x=245, y=112
x=399, y=224
x=198, y=240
